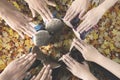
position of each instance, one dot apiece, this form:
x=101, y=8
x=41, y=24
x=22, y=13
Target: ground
x=106, y=38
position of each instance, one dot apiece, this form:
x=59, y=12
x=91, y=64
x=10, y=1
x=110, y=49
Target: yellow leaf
x=3, y=57
x=16, y=5
x=107, y=51
x=115, y=32
x=0, y=47
x=20, y=50
x=27, y=42
x=11, y=32
x=2, y=65
x=16, y=35
x=112, y=47
x=5, y=34
x=95, y=36
x=7, y=46
x=103, y=46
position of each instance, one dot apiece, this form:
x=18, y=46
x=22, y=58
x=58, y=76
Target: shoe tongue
x=39, y=53
x=45, y=59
